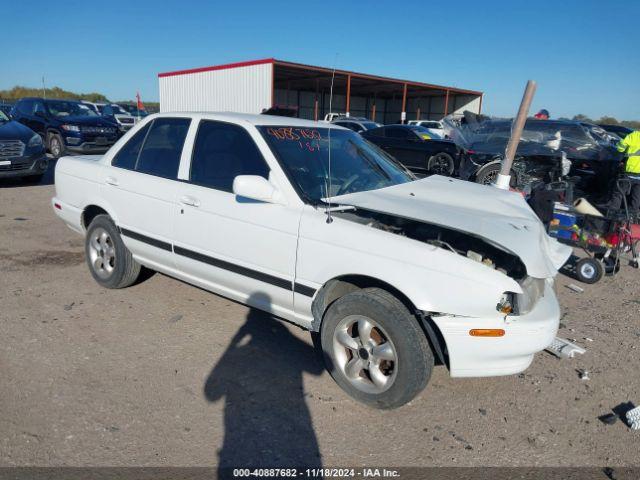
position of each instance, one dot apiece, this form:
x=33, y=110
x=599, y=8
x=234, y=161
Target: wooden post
x=446, y=104
x=403, y=115
x=418, y=114
x=348, y=94
x=502, y=181
x=315, y=103
x=373, y=108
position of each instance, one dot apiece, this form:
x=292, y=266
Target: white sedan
x=313, y=224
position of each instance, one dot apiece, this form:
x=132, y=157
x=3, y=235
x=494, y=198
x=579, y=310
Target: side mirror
x=256, y=187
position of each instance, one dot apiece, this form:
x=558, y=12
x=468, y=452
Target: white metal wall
x=242, y=89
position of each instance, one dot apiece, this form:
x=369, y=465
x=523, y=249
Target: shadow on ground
x=266, y=419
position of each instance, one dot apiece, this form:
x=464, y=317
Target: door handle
x=187, y=200
x=111, y=181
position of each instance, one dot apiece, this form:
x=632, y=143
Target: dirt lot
x=166, y=374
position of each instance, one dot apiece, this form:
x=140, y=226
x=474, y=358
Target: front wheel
x=488, y=174
x=589, y=270
x=56, y=145
x=441, y=164
x=375, y=349
x=110, y=262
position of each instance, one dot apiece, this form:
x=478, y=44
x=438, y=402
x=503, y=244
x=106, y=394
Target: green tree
x=581, y=118
x=608, y=120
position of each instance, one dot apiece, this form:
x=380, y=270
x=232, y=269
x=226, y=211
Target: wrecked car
x=416, y=148
x=590, y=156
x=311, y=223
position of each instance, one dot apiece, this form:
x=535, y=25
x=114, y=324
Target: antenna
x=330, y=187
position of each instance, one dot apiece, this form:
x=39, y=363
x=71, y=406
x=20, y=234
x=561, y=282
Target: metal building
x=251, y=87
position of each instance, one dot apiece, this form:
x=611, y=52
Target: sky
x=583, y=54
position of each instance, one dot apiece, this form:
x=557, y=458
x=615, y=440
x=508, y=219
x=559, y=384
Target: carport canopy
x=306, y=89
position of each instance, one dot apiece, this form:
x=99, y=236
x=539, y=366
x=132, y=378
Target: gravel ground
x=164, y=373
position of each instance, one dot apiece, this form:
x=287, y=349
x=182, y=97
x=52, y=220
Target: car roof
x=253, y=119
x=54, y=99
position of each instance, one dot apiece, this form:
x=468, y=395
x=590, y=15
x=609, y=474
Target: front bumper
x=525, y=335
x=82, y=142
x=24, y=166
x=89, y=147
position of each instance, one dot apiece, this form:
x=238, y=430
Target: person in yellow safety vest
x=630, y=146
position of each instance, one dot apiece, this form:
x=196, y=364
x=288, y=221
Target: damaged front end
x=465, y=244
x=461, y=243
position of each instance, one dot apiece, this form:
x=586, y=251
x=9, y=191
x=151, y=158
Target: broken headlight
x=507, y=303
x=532, y=291
x=522, y=303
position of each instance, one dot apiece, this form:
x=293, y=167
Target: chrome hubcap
x=102, y=253
x=588, y=271
x=490, y=178
x=55, y=146
x=365, y=354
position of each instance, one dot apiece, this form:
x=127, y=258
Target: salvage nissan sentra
x=317, y=226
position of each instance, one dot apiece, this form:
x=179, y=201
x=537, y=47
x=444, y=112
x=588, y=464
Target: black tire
x=117, y=271
x=392, y=322
x=589, y=270
x=55, y=145
x=441, y=164
x=487, y=175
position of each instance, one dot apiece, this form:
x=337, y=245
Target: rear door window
x=221, y=152
x=160, y=154
x=127, y=156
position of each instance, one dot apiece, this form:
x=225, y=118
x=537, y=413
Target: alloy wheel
x=102, y=253
x=365, y=354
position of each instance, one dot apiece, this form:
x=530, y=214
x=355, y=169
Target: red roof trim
x=217, y=67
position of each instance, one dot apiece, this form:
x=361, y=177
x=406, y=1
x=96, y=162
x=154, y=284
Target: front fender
x=432, y=278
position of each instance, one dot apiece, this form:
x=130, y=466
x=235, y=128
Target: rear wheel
x=441, y=164
x=374, y=348
x=110, y=262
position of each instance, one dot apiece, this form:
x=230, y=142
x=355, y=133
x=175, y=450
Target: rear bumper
x=524, y=336
x=25, y=167
x=69, y=214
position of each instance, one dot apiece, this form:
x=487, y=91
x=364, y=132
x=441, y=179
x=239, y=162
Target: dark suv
x=66, y=125
x=21, y=151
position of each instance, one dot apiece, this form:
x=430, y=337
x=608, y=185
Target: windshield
x=62, y=108
x=133, y=110
x=3, y=117
x=370, y=125
x=356, y=165
x=118, y=110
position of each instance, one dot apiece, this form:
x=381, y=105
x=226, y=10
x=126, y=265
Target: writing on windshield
x=306, y=138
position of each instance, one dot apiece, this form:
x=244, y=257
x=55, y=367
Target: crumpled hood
x=499, y=216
